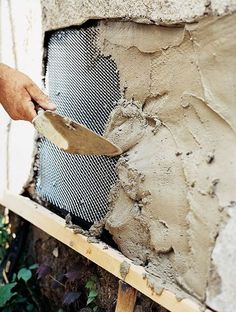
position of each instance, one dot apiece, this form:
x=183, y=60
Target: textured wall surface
x=173, y=208
x=176, y=181
x=223, y=273
x=57, y=13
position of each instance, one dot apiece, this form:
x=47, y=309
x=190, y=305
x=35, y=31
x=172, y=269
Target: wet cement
x=176, y=123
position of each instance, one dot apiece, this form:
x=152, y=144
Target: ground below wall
x=42, y=248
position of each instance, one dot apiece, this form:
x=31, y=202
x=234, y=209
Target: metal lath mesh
x=85, y=86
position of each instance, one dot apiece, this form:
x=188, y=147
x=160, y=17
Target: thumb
x=39, y=97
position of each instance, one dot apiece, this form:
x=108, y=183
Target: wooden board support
x=126, y=297
x=104, y=256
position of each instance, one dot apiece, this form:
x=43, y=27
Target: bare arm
x=17, y=92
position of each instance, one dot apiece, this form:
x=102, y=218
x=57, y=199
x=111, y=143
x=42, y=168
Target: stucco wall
x=176, y=183
x=58, y=14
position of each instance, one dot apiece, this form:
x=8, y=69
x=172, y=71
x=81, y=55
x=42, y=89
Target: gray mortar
x=126, y=121
x=124, y=269
x=171, y=183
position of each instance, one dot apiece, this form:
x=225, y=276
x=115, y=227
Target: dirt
x=42, y=248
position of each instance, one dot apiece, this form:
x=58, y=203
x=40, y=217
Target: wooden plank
x=126, y=297
x=106, y=257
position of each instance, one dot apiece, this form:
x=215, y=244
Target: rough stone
x=58, y=14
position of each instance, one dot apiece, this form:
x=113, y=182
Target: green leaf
x=14, y=277
x=34, y=266
x=95, y=309
x=89, y=284
x=90, y=299
x=92, y=296
x=18, y=299
x=25, y=274
x=6, y=294
x=30, y=307
x=93, y=293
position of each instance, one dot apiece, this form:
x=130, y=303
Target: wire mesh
x=84, y=84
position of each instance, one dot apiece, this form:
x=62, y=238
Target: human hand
x=18, y=93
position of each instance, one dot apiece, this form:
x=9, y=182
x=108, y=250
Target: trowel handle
x=38, y=109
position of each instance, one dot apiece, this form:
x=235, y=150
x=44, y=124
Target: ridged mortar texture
x=166, y=209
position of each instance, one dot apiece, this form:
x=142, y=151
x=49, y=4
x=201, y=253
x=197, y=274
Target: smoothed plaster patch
x=172, y=184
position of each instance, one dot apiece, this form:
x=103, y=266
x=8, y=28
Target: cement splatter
x=124, y=269
x=126, y=121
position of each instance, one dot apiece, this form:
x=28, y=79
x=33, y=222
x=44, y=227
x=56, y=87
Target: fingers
x=17, y=94
x=29, y=112
x=25, y=111
x=22, y=107
x=39, y=97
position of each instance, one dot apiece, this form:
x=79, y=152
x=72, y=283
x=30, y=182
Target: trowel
x=71, y=136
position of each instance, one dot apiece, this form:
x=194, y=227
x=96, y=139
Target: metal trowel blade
x=72, y=137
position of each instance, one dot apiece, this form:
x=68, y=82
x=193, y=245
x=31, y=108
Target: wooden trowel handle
x=38, y=109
